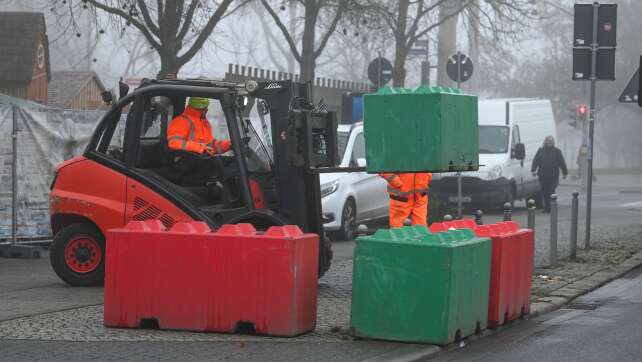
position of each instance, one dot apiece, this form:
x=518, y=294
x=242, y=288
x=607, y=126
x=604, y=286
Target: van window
x=493, y=139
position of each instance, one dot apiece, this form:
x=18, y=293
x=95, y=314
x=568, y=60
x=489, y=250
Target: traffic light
x=581, y=112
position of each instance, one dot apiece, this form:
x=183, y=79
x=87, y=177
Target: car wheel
x=348, y=221
x=78, y=255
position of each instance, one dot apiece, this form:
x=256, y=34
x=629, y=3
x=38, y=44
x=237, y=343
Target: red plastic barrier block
x=511, y=270
x=193, y=279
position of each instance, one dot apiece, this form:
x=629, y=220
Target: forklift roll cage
x=303, y=142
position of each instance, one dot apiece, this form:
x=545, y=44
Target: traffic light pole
x=591, y=125
x=459, y=212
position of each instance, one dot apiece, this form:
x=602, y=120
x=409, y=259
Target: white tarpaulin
x=46, y=137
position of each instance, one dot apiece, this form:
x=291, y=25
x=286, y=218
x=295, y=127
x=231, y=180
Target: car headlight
x=329, y=187
x=494, y=173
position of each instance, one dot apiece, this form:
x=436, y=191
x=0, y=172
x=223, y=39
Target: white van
x=510, y=132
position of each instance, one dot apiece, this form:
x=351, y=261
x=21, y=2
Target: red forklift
x=125, y=171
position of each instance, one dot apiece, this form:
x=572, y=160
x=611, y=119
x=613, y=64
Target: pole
x=574, y=214
x=553, y=245
x=592, y=116
x=14, y=175
x=379, y=71
x=459, y=213
x=531, y=214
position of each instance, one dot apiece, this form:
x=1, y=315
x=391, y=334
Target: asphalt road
x=603, y=325
x=616, y=214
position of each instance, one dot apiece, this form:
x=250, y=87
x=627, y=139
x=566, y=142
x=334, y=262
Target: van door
x=517, y=166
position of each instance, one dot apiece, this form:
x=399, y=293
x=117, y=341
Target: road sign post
x=380, y=71
x=459, y=68
x=597, y=23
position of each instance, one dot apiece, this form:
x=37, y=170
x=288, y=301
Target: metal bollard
x=531, y=214
x=478, y=217
x=553, y=247
x=508, y=211
x=407, y=222
x=574, y=215
x=448, y=217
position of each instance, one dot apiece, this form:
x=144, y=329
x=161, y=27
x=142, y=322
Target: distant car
x=349, y=199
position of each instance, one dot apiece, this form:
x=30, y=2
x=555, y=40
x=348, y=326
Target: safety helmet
x=198, y=102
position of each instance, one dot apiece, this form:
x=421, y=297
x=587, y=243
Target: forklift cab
x=268, y=178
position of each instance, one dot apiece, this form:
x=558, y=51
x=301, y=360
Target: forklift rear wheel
x=78, y=255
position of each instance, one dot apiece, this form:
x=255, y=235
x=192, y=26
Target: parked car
x=349, y=199
x=510, y=132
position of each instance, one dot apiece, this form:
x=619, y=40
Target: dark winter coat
x=548, y=162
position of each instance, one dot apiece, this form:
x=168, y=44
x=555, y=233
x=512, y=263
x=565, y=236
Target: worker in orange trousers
x=408, y=197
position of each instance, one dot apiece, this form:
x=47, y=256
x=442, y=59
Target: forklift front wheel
x=78, y=255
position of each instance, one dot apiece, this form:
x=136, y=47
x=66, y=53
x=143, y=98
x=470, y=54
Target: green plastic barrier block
x=423, y=129
x=413, y=286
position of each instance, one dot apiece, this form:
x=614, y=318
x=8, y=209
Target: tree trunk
x=399, y=67
x=169, y=65
x=308, y=63
x=473, y=48
x=447, y=41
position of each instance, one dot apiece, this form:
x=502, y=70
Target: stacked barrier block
x=511, y=267
x=231, y=280
x=422, y=129
x=414, y=286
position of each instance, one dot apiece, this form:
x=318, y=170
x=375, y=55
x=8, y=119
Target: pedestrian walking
x=546, y=166
x=408, y=197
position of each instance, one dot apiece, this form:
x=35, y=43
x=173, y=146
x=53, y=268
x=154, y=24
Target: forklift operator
x=191, y=132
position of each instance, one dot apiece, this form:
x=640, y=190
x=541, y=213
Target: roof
x=18, y=45
x=66, y=85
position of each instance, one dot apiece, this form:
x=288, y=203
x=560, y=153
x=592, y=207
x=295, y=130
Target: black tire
x=77, y=255
x=325, y=254
x=348, y=230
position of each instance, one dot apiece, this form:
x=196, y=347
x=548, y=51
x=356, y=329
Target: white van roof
x=492, y=112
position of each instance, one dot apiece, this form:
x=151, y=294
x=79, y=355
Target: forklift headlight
x=329, y=187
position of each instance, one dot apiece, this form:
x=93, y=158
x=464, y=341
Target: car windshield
x=342, y=141
x=493, y=139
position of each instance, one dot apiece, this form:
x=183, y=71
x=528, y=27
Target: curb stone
x=569, y=292
x=409, y=353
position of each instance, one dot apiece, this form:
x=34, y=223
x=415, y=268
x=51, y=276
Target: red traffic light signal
x=582, y=110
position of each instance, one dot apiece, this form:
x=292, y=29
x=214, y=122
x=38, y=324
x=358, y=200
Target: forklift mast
x=304, y=139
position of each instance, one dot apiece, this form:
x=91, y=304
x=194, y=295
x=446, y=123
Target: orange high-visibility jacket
x=191, y=131
x=404, y=186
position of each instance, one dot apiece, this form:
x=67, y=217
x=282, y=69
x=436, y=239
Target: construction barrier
x=232, y=280
x=511, y=267
x=440, y=123
x=411, y=285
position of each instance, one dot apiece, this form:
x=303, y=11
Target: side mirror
x=519, y=152
x=123, y=89
x=107, y=97
x=361, y=162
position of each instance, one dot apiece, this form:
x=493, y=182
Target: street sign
x=631, y=92
x=605, y=68
x=606, y=25
x=459, y=67
x=422, y=43
x=380, y=71
x=417, y=51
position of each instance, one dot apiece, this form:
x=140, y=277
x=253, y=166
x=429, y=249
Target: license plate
x=463, y=199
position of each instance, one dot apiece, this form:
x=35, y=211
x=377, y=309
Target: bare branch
x=131, y=19
x=148, y=19
x=205, y=33
x=188, y=19
x=333, y=26
x=284, y=31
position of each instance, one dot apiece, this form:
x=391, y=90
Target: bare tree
x=311, y=47
x=409, y=21
x=164, y=24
